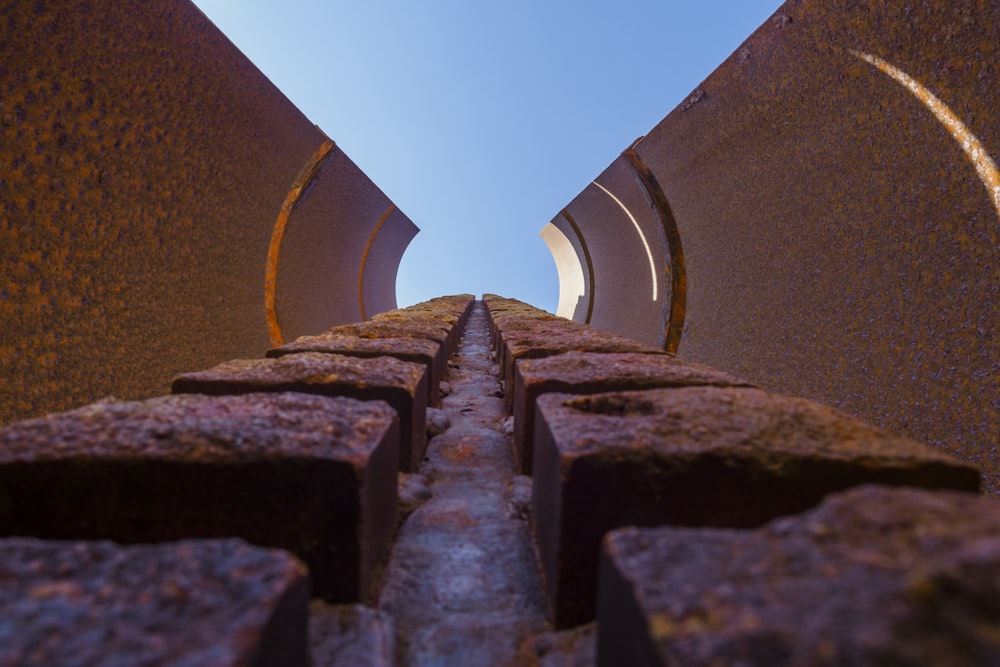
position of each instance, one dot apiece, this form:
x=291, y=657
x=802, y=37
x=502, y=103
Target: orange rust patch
x=462, y=451
x=456, y=517
x=305, y=177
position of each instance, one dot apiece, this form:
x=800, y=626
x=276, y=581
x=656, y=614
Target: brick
x=197, y=603
x=592, y=373
x=311, y=474
x=506, y=325
x=419, y=329
x=873, y=576
x=350, y=636
x=540, y=338
x=500, y=309
x=401, y=384
x=454, y=310
x=403, y=327
x=447, y=324
x=697, y=456
x=419, y=350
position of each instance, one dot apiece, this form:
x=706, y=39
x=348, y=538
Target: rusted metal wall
x=144, y=162
x=628, y=254
x=840, y=225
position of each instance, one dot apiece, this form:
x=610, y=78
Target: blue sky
x=481, y=121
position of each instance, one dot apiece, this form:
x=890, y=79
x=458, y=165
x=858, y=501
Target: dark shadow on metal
x=364, y=259
x=586, y=257
x=674, y=326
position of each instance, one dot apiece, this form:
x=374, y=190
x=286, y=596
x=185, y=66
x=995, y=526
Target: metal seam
x=674, y=327
x=364, y=259
x=302, y=181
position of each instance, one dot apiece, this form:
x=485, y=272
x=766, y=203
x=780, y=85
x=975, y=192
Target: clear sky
x=482, y=120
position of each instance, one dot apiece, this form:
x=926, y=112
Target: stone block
x=575, y=647
x=500, y=309
x=534, y=339
x=401, y=384
x=873, y=576
x=697, y=456
x=454, y=310
x=311, y=474
x=432, y=330
x=592, y=373
x=202, y=603
x=403, y=327
x=350, y=636
x=419, y=350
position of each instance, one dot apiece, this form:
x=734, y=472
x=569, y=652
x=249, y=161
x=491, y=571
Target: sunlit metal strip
x=642, y=237
x=986, y=167
x=590, y=263
x=674, y=327
x=302, y=181
x=364, y=259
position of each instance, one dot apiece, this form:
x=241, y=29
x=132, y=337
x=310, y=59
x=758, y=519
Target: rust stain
x=302, y=181
x=678, y=273
x=590, y=263
x=364, y=259
x=973, y=148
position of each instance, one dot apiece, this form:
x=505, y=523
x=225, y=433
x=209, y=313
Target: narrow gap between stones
x=463, y=585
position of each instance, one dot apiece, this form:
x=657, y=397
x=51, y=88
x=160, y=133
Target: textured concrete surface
x=462, y=585
x=842, y=229
x=199, y=603
x=311, y=474
x=144, y=162
x=401, y=384
x=592, y=373
x=569, y=648
x=696, y=456
x=350, y=636
x=874, y=576
x=419, y=350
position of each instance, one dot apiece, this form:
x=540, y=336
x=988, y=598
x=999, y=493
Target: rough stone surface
x=425, y=321
x=198, y=603
x=576, y=647
x=697, y=456
x=873, y=576
x=437, y=421
x=427, y=328
x=312, y=474
x=590, y=373
x=414, y=490
x=463, y=585
x=401, y=384
x=350, y=636
x=534, y=339
x=419, y=350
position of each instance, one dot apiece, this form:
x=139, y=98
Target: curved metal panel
x=840, y=242
x=380, y=263
x=628, y=252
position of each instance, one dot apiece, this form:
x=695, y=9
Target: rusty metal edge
x=674, y=327
x=302, y=181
